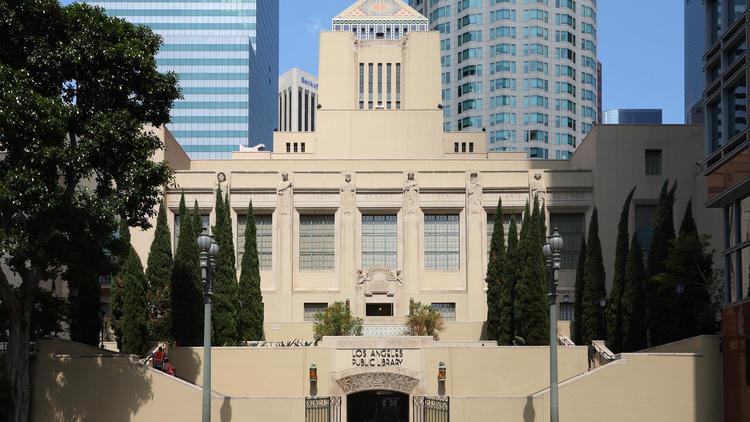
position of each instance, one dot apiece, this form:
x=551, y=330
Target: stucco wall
x=72, y=382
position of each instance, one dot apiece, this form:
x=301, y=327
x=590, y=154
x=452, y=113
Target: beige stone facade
x=381, y=206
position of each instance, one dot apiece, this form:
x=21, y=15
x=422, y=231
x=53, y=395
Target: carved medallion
x=378, y=381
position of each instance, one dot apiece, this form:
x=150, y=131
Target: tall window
x=398, y=86
x=369, y=85
x=644, y=224
x=566, y=312
x=379, y=241
x=441, y=242
x=205, y=219
x=388, y=85
x=263, y=239
x=571, y=227
x=361, y=86
x=380, y=83
x=653, y=162
x=316, y=242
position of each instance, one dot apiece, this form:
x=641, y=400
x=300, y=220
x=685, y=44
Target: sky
x=640, y=47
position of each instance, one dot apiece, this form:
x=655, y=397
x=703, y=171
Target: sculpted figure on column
x=537, y=188
x=284, y=194
x=348, y=195
x=411, y=194
x=474, y=194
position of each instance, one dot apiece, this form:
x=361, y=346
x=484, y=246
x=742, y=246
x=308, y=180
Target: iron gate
x=431, y=409
x=323, y=409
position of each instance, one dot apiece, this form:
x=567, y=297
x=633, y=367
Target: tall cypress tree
x=614, y=314
x=578, y=301
x=116, y=293
x=495, y=280
x=197, y=221
x=134, y=322
x=532, y=321
x=507, y=323
x=158, y=275
x=225, y=300
x=633, y=303
x=251, y=300
x=594, y=289
x=687, y=283
x=657, y=307
x=186, y=295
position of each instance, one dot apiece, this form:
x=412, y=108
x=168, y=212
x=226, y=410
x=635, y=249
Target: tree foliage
x=134, y=322
x=687, y=285
x=507, y=321
x=186, y=297
x=158, y=274
x=225, y=301
x=336, y=320
x=578, y=303
x=633, y=303
x=614, y=303
x=78, y=86
x=531, y=305
x=495, y=279
x=84, y=300
x=251, y=299
x=423, y=320
x=594, y=289
x=657, y=307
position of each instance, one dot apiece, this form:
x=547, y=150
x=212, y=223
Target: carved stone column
x=348, y=216
x=475, y=215
x=283, y=220
x=413, y=217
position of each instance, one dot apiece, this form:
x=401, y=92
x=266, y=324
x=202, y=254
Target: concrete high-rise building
x=298, y=100
x=633, y=116
x=727, y=170
x=226, y=55
x=695, y=80
x=523, y=71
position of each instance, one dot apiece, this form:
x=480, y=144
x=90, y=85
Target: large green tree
x=507, y=323
x=495, y=279
x=158, y=274
x=225, y=299
x=657, y=311
x=688, y=283
x=133, y=325
x=251, y=300
x=578, y=300
x=532, y=305
x=186, y=296
x=614, y=314
x=594, y=289
x=78, y=88
x=633, y=303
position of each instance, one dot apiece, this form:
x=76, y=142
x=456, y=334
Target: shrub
x=423, y=320
x=336, y=320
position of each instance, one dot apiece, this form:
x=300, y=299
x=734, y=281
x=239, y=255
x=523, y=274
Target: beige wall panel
x=251, y=180
x=330, y=179
x=337, y=71
x=441, y=180
x=421, y=88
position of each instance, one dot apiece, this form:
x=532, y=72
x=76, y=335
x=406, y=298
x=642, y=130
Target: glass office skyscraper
x=524, y=71
x=226, y=54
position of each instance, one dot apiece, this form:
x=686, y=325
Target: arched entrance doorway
x=377, y=406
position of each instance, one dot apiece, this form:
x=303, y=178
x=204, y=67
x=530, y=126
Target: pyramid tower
x=372, y=19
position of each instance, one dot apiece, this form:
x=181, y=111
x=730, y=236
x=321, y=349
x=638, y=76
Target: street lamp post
x=552, y=250
x=209, y=250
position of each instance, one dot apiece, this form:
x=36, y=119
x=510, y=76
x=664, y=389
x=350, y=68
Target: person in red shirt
x=168, y=368
x=159, y=359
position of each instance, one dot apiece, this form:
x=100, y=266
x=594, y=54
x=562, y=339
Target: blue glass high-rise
x=226, y=53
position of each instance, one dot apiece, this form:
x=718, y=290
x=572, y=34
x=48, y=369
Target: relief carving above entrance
x=377, y=381
x=379, y=280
